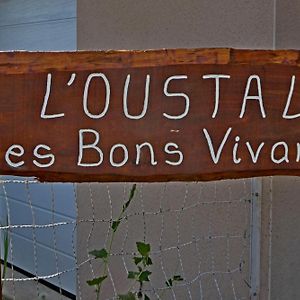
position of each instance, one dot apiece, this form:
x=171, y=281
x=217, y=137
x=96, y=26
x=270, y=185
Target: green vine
x=142, y=262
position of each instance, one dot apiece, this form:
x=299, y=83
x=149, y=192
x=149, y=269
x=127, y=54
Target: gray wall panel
x=131, y=24
x=285, y=238
x=287, y=24
x=282, y=197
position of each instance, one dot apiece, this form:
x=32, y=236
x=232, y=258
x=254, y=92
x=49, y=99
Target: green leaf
x=143, y=248
x=132, y=275
x=96, y=281
x=115, y=225
x=148, y=261
x=169, y=282
x=144, y=276
x=146, y=297
x=137, y=260
x=99, y=253
x=177, y=278
x=128, y=296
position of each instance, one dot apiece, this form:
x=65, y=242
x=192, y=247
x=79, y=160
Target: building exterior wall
x=283, y=236
x=287, y=24
x=111, y=24
x=280, y=206
x=174, y=24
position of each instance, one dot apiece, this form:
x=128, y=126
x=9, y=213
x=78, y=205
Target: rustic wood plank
x=261, y=136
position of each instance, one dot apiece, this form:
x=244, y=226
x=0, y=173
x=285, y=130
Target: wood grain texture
x=20, y=62
x=23, y=83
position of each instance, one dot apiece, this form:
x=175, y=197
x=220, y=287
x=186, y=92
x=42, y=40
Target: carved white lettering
x=284, y=156
x=146, y=99
x=217, y=78
x=185, y=96
x=93, y=145
x=254, y=156
x=138, y=153
x=287, y=106
x=86, y=92
x=12, y=151
x=46, y=98
x=43, y=156
x=177, y=152
x=236, y=159
x=258, y=97
x=111, y=155
x=216, y=156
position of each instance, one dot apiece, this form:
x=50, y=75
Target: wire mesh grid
x=199, y=232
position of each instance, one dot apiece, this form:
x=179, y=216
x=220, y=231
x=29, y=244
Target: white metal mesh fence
x=198, y=234
x=198, y=231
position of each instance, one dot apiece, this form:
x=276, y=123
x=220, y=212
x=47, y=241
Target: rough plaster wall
x=280, y=206
x=131, y=24
x=287, y=24
x=280, y=238
x=156, y=24
x=285, y=262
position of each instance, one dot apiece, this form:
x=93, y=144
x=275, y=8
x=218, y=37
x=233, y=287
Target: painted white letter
x=187, y=100
x=217, y=92
x=285, y=113
x=298, y=152
x=284, y=157
x=215, y=157
x=138, y=153
x=111, y=156
x=255, y=155
x=146, y=99
x=91, y=146
x=236, y=159
x=11, y=151
x=178, y=152
x=258, y=97
x=43, y=156
x=86, y=92
x=46, y=98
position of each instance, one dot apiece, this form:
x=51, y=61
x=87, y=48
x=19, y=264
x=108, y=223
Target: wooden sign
x=201, y=114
